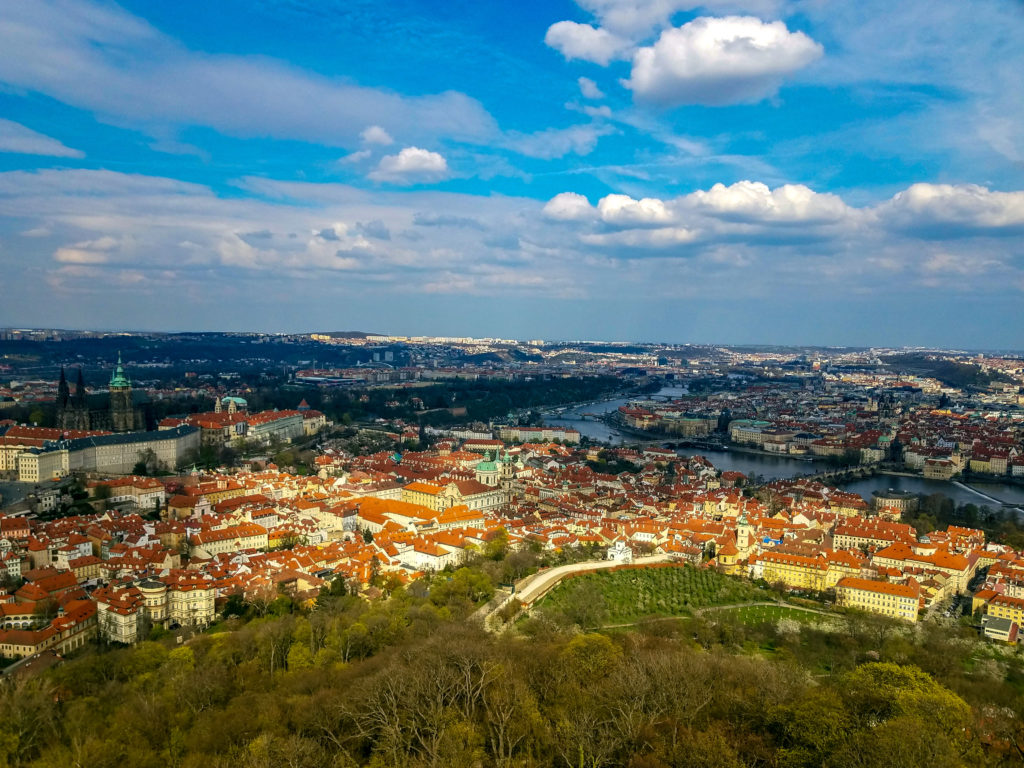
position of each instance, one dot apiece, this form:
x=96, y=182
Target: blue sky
x=735, y=171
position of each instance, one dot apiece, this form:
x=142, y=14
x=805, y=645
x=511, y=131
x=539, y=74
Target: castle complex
x=121, y=415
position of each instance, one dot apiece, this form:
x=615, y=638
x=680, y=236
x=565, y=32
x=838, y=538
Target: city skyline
x=736, y=172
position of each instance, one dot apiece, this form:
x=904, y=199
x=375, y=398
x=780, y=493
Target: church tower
x=72, y=410
x=80, y=404
x=745, y=535
x=508, y=469
x=63, y=401
x=122, y=410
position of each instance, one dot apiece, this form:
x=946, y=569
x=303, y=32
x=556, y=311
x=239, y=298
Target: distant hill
x=949, y=372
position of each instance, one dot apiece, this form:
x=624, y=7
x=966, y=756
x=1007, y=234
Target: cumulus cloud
x=939, y=210
x=120, y=234
x=624, y=211
x=376, y=135
x=717, y=61
x=742, y=212
x=754, y=201
x=569, y=206
x=589, y=89
x=412, y=165
x=15, y=137
x=582, y=41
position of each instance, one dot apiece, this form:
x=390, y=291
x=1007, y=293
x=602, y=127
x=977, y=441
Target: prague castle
x=122, y=414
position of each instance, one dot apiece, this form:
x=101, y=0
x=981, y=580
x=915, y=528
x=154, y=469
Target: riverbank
x=975, y=491
x=750, y=461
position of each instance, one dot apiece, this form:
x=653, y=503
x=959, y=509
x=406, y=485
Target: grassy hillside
x=626, y=595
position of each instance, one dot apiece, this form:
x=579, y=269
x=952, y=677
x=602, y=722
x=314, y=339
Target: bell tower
x=122, y=410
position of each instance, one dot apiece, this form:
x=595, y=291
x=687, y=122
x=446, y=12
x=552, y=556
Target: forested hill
x=949, y=372
x=401, y=683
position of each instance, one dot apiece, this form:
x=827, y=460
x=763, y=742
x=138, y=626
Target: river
x=781, y=467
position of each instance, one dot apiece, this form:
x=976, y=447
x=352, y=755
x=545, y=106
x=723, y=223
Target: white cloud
x=652, y=239
x=376, y=135
x=745, y=202
x=589, y=89
x=754, y=201
x=939, y=209
x=716, y=61
x=636, y=18
x=945, y=263
x=355, y=157
x=121, y=233
x=88, y=251
x=559, y=142
x=569, y=206
x=582, y=41
x=15, y=137
x=623, y=211
x=97, y=56
x=410, y=166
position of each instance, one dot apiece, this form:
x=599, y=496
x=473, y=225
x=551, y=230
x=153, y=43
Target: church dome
x=486, y=465
x=118, y=379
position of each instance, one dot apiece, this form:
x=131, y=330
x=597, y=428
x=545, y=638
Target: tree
x=228, y=456
x=148, y=463
x=299, y=656
x=465, y=585
x=497, y=547
x=235, y=605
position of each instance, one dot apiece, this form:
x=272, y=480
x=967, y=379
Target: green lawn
x=622, y=596
x=760, y=614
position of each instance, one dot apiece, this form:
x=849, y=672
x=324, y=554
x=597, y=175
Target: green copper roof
x=486, y=465
x=118, y=379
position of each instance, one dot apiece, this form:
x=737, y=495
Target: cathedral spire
x=63, y=393
x=80, y=389
x=118, y=379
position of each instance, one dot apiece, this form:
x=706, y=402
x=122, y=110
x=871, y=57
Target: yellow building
x=981, y=464
x=235, y=538
x=840, y=565
x=899, y=601
x=795, y=571
x=424, y=494
x=1011, y=608
x=727, y=557
x=902, y=556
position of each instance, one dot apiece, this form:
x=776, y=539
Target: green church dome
x=486, y=465
x=118, y=379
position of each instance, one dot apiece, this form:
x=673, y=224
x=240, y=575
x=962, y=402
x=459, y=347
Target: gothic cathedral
x=73, y=411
